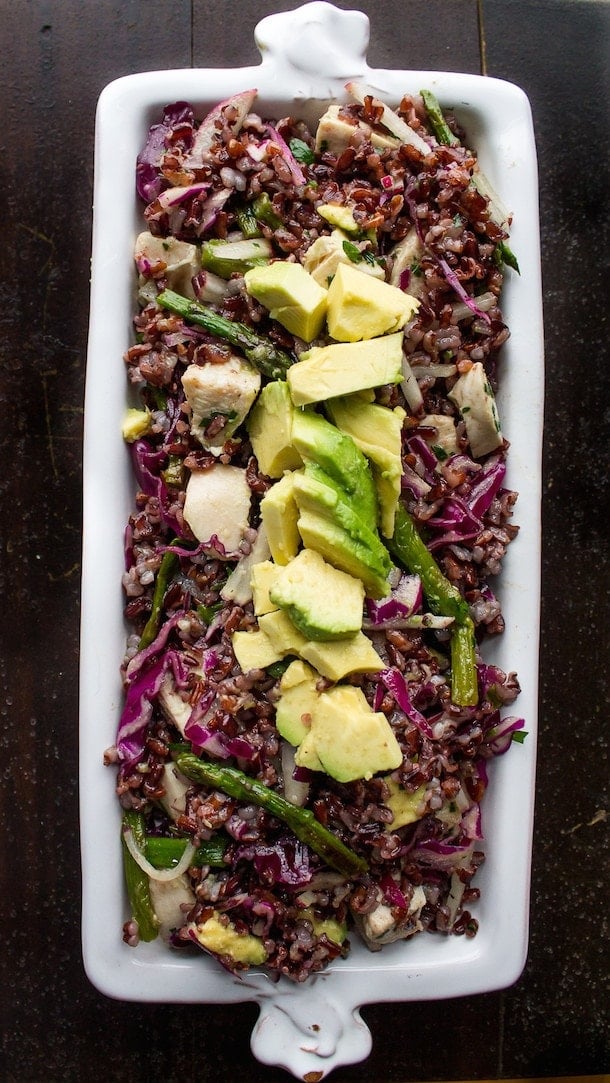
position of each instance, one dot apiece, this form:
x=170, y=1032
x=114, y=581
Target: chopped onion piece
x=390, y=120
x=410, y=387
x=162, y=875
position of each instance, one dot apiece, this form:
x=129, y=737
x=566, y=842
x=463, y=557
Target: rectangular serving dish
x=497, y=120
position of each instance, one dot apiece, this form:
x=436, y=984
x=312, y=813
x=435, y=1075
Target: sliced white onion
x=162, y=875
x=497, y=210
x=390, y=120
x=410, y=387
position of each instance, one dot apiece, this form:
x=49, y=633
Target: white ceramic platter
x=307, y=57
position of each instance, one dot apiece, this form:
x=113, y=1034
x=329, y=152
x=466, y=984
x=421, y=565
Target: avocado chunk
x=279, y=513
x=341, y=368
x=306, y=755
x=337, y=214
x=222, y=938
x=361, y=308
x=330, y=927
x=405, y=807
x=377, y=431
x=328, y=524
x=292, y=296
x=319, y=441
x=136, y=423
x=285, y=638
x=270, y=430
x=262, y=578
x=350, y=739
x=335, y=660
x=254, y=650
x=326, y=253
x=322, y=602
x=298, y=696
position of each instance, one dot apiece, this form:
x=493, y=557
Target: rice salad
x=320, y=512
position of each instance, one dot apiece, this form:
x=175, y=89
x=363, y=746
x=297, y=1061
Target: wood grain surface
x=56, y=58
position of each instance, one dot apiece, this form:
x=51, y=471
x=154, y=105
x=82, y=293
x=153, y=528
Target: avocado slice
x=323, y=602
x=269, y=427
x=328, y=524
x=298, y=696
x=318, y=440
x=292, y=296
x=279, y=513
x=337, y=659
x=364, y=308
x=377, y=431
x=344, y=367
x=350, y=739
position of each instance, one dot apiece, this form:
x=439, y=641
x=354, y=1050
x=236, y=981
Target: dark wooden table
x=56, y=57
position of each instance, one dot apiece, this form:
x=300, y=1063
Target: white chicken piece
x=326, y=253
x=175, y=785
x=335, y=134
x=380, y=927
x=474, y=398
x=182, y=261
x=405, y=257
x=217, y=503
x=446, y=434
x=225, y=390
x=238, y=587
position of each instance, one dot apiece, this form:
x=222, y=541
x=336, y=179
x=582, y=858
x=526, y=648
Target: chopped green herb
x=440, y=452
x=302, y=152
x=352, y=252
x=519, y=736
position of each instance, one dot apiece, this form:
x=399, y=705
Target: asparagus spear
x=258, y=349
x=164, y=853
x=445, y=600
x=301, y=821
x=438, y=123
x=167, y=566
x=138, y=888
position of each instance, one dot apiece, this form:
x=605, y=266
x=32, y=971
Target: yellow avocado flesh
x=406, y=807
x=279, y=513
x=298, y=695
x=342, y=368
x=262, y=578
x=323, y=602
x=330, y=927
x=333, y=660
x=270, y=430
x=223, y=939
x=350, y=739
x=254, y=650
x=338, y=659
x=377, y=431
x=363, y=308
x=292, y=296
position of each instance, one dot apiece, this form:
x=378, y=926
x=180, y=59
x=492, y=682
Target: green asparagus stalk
x=164, y=853
x=246, y=220
x=301, y=821
x=444, y=599
x=506, y=255
x=437, y=121
x=258, y=349
x=167, y=567
x=264, y=212
x=464, y=686
x=136, y=881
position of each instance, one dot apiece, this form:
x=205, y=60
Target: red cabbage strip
x=284, y=862
x=486, y=486
x=392, y=893
x=497, y=740
x=454, y=281
x=140, y=695
x=397, y=685
x=443, y=855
